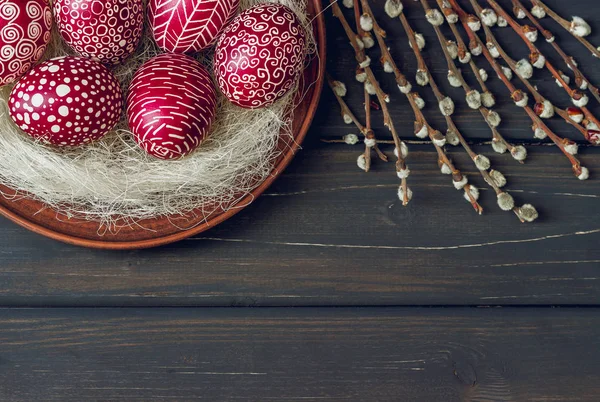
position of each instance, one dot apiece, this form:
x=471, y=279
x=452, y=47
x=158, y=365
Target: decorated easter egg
x=260, y=55
x=186, y=26
x=104, y=30
x=171, y=105
x=67, y=101
x=24, y=35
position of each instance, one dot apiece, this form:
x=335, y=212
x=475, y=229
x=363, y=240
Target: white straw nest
x=113, y=180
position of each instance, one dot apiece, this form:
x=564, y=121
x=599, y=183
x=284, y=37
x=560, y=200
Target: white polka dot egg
x=67, y=101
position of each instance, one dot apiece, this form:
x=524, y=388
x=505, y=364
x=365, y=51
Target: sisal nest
x=113, y=181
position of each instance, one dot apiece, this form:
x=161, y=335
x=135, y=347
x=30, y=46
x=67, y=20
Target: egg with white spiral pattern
x=107, y=31
x=260, y=55
x=67, y=101
x=24, y=35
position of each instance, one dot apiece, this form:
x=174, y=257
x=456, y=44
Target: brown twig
x=364, y=62
x=539, y=60
x=459, y=180
x=521, y=100
x=543, y=107
x=580, y=80
x=566, y=25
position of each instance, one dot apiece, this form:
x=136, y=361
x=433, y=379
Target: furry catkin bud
x=579, y=27
x=454, y=79
x=498, y=146
x=403, y=150
x=538, y=60
x=464, y=57
x=530, y=33
x=359, y=42
x=580, y=99
x=475, y=48
x=528, y=213
x=538, y=11
x=368, y=40
x=405, y=89
x=493, y=118
x=489, y=17
x=434, y=17
x=571, y=147
x=590, y=125
x=493, y=50
x=519, y=153
x=507, y=73
x=421, y=130
x=418, y=100
x=544, y=109
x=460, y=182
x=565, y=78
x=339, y=88
x=452, y=49
x=583, y=85
x=482, y=162
x=361, y=162
x=447, y=106
x=473, y=99
x=520, y=98
x=444, y=168
x=393, y=8
x=483, y=75
x=473, y=23
x=361, y=75
x=438, y=139
x=499, y=178
x=575, y=114
x=539, y=133
x=403, y=173
x=420, y=39
x=422, y=78
x=350, y=139
x=502, y=22
x=584, y=174
x=409, y=193
x=366, y=63
x=387, y=67
x=519, y=12
x=488, y=99
x=525, y=69
x=452, y=137
x=370, y=88
x=366, y=22
x=370, y=142
x=348, y=3
x=347, y=118
x=474, y=191
x=506, y=202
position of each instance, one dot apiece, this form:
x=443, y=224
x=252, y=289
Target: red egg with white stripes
x=107, y=31
x=171, y=105
x=260, y=55
x=67, y=101
x=24, y=35
x=187, y=26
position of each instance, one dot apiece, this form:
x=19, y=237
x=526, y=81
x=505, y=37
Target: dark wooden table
x=353, y=296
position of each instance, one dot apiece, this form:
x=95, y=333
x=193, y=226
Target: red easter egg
x=67, y=101
x=171, y=105
x=186, y=26
x=260, y=55
x=107, y=31
x=24, y=35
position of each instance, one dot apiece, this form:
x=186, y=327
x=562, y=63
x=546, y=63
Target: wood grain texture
x=515, y=123
x=325, y=234
x=368, y=354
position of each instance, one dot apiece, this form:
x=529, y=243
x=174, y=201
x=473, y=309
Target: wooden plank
x=327, y=234
x=368, y=354
x=515, y=125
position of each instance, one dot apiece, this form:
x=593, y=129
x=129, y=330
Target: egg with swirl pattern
x=260, y=55
x=24, y=35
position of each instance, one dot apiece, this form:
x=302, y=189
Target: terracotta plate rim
x=211, y=222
